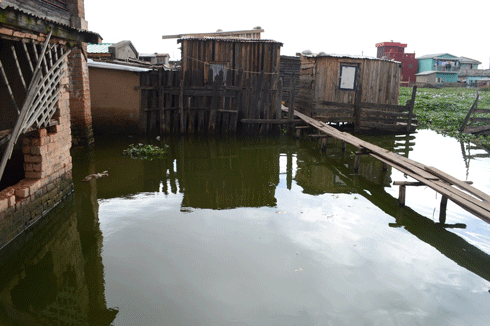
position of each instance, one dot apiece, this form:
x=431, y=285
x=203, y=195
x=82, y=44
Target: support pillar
x=80, y=106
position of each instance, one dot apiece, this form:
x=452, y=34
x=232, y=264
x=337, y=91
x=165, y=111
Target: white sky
x=342, y=27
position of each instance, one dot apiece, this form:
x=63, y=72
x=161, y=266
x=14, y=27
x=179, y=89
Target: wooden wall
x=372, y=104
x=380, y=80
x=289, y=65
x=253, y=56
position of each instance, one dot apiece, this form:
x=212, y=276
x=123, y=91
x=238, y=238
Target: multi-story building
x=396, y=51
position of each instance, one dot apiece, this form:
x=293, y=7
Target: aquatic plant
x=445, y=109
x=144, y=152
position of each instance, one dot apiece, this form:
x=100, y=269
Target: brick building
x=45, y=100
x=396, y=51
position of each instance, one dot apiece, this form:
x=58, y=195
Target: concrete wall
x=426, y=65
x=115, y=101
x=426, y=79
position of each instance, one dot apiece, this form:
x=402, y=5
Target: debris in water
x=95, y=176
x=298, y=270
x=281, y=212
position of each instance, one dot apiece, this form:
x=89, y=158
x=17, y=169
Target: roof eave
x=20, y=19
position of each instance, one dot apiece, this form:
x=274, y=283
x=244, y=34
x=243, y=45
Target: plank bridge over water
x=458, y=191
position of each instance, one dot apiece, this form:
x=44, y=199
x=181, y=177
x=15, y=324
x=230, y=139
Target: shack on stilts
x=354, y=90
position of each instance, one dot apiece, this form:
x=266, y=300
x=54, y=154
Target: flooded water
x=230, y=231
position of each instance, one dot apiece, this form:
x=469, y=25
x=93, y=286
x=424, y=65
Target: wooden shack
x=253, y=56
x=357, y=90
x=222, y=82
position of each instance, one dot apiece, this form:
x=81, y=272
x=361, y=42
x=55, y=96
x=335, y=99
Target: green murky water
x=255, y=231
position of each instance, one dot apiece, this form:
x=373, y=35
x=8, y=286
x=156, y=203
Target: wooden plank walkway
x=458, y=191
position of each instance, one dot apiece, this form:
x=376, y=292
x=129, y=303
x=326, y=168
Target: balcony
x=447, y=68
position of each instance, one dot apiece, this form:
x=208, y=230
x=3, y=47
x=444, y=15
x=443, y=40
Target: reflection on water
x=230, y=231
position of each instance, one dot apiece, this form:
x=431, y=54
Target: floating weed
x=145, y=152
x=445, y=109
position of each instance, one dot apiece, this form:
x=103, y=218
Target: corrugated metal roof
x=99, y=48
x=428, y=72
x=468, y=60
x=226, y=39
x=105, y=65
x=437, y=56
x=79, y=30
x=346, y=56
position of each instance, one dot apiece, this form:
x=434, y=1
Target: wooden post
x=357, y=162
x=324, y=141
x=385, y=166
x=410, y=108
x=357, y=159
x=473, y=108
x=213, y=114
x=343, y=146
x=357, y=108
x=181, y=106
x=291, y=101
x=442, y=212
x=279, y=99
x=401, y=195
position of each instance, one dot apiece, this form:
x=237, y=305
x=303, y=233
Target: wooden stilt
x=357, y=159
x=385, y=166
x=323, y=147
x=401, y=195
x=343, y=146
x=442, y=212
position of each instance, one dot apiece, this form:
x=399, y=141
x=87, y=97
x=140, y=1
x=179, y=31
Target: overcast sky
x=341, y=27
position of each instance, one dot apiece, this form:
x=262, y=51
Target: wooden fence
x=369, y=116
x=218, y=104
x=477, y=120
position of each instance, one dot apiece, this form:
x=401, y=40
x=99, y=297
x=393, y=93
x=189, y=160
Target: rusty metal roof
x=226, y=39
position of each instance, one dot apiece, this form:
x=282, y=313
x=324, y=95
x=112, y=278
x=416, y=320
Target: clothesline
x=246, y=71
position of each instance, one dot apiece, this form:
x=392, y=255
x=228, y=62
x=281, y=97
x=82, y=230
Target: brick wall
x=80, y=106
x=48, y=171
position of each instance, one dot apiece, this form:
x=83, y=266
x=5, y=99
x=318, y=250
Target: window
x=410, y=66
x=348, y=77
x=217, y=67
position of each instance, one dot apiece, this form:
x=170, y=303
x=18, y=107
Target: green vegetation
x=445, y=109
x=145, y=152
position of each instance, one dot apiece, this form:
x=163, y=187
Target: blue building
x=443, y=68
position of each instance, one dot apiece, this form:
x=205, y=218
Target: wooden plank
x=470, y=112
x=337, y=104
x=478, y=129
x=453, y=194
x=370, y=112
x=461, y=184
x=473, y=120
x=272, y=121
x=481, y=111
x=328, y=118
